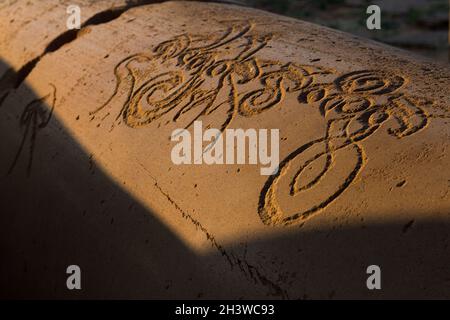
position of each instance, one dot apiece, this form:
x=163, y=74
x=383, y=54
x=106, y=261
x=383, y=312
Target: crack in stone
x=250, y=271
x=12, y=79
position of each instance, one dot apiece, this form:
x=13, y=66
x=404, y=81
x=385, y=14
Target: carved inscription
x=192, y=77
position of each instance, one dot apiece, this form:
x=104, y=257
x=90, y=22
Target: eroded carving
x=322, y=169
x=205, y=74
x=35, y=116
x=222, y=75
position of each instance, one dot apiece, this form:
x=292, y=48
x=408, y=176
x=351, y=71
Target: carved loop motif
x=209, y=73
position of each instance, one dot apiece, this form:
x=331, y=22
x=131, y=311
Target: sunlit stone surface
x=87, y=177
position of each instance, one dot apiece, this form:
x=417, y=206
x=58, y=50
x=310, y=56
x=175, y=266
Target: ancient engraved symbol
x=35, y=117
x=222, y=75
x=205, y=75
x=354, y=106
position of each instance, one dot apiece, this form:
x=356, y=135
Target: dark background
x=420, y=26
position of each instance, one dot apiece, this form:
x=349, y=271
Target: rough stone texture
x=28, y=27
x=87, y=176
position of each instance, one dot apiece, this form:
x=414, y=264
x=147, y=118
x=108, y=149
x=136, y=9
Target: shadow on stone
x=58, y=209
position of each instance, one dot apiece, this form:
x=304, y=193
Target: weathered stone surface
x=28, y=27
x=87, y=176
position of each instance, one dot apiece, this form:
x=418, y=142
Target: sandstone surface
x=87, y=177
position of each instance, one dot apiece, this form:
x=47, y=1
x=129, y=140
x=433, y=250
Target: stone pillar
x=87, y=175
